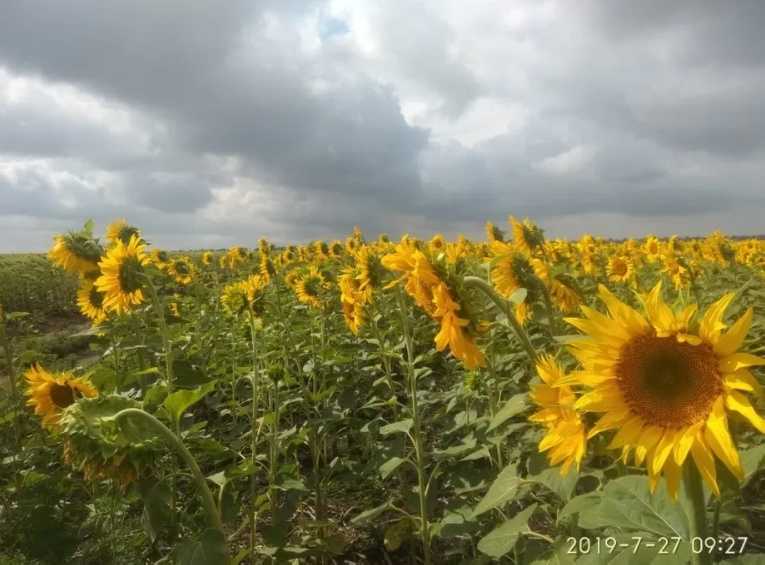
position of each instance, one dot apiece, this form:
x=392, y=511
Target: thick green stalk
x=208, y=502
x=159, y=306
x=506, y=308
x=694, y=502
x=253, y=435
x=419, y=449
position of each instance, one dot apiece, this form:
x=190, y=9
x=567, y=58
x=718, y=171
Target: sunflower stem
x=419, y=449
x=208, y=501
x=695, y=506
x=506, y=308
x=5, y=341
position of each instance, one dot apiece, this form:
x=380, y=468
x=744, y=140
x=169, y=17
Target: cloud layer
x=212, y=123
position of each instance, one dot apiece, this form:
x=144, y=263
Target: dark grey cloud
x=212, y=123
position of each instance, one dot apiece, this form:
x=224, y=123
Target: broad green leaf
x=514, y=406
x=400, y=427
x=519, y=296
x=390, y=465
x=751, y=460
x=504, y=537
x=562, y=485
x=371, y=514
x=501, y=490
x=181, y=400
x=397, y=533
x=209, y=549
x=627, y=505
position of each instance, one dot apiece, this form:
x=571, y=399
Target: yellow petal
x=609, y=421
x=741, y=380
x=684, y=442
x=730, y=342
x=663, y=449
x=717, y=437
x=705, y=463
x=737, y=402
x=628, y=434
x=737, y=361
x=647, y=442
x=711, y=324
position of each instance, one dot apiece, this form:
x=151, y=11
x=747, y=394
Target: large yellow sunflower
x=566, y=438
x=121, y=274
x=620, y=269
x=75, y=252
x=453, y=330
x=666, y=383
x=49, y=393
x=120, y=230
x=309, y=287
x=91, y=302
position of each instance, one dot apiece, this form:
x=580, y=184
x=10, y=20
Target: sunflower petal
x=717, y=435
x=729, y=343
x=705, y=463
x=737, y=402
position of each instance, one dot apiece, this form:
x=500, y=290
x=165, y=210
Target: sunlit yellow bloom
x=310, y=286
x=121, y=275
x=75, y=253
x=566, y=438
x=91, y=302
x=207, y=258
x=120, y=230
x=181, y=269
x=666, y=383
x=527, y=236
x=453, y=329
x=50, y=393
x=652, y=249
x=620, y=269
x=437, y=244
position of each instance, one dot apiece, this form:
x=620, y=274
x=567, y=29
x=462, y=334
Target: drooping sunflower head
x=91, y=302
x=566, y=438
x=207, y=258
x=352, y=244
x=120, y=230
x=336, y=249
x=51, y=393
x=512, y=270
x=159, y=259
x=667, y=381
x=76, y=252
x=122, y=275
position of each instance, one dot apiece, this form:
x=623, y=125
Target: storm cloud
x=212, y=123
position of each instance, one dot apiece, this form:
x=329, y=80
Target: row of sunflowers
x=495, y=399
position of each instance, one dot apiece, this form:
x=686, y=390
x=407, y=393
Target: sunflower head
x=310, y=287
x=120, y=230
x=620, y=269
x=566, y=438
x=181, y=269
x=527, y=236
x=667, y=381
x=91, y=301
x=76, y=252
x=207, y=258
x=51, y=393
x=122, y=275
x=493, y=233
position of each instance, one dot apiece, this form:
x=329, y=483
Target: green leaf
x=371, y=514
x=504, y=537
x=627, y=505
x=501, y=490
x=397, y=533
x=563, y=486
x=400, y=427
x=181, y=400
x=209, y=549
x=514, y=406
x=389, y=466
x=751, y=460
x=519, y=296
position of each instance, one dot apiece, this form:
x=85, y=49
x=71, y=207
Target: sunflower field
x=511, y=400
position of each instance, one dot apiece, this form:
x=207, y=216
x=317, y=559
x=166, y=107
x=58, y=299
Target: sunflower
x=666, y=383
x=120, y=230
x=207, y=258
x=652, y=248
x=159, y=259
x=566, y=439
x=620, y=269
x=437, y=244
x=309, y=286
x=527, y=236
x=510, y=272
x=493, y=233
x=91, y=301
x=181, y=269
x=75, y=252
x=453, y=329
x=50, y=393
x=241, y=296
x=121, y=271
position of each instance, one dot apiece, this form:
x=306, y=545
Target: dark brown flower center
x=668, y=383
x=62, y=395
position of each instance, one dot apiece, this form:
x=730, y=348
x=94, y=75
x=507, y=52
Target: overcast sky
x=209, y=123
